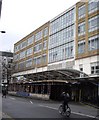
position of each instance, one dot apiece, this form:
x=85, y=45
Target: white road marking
x=71, y=112
x=12, y=98
x=31, y=102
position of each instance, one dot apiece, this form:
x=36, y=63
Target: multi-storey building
x=32, y=51
x=61, y=55
x=6, y=59
x=62, y=40
x=87, y=37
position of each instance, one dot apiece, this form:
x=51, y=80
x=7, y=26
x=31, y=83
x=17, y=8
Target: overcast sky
x=20, y=17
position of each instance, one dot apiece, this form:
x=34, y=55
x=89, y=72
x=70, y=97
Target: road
x=17, y=107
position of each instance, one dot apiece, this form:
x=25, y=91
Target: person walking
x=4, y=92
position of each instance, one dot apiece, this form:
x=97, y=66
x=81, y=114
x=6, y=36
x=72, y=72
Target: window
x=16, y=57
x=45, y=32
x=62, y=22
x=45, y=45
x=93, y=23
x=81, y=67
x=44, y=58
x=29, y=62
x=93, y=6
x=38, y=48
x=81, y=46
x=21, y=65
x=23, y=44
x=22, y=54
x=38, y=36
x=30, y=40
x=95, y=68
x=29, y=51
x=81, y=29
x=81, y=11
x=93, y=43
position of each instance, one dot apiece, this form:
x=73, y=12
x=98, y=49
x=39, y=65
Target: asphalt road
x=16, y=107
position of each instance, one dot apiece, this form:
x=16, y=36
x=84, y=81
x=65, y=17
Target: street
x=16, y=107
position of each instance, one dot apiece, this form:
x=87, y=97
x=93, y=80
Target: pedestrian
x=4, y=93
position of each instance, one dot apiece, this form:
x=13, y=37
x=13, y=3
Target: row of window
x=92, y=7
x=94, y=68
x=40, y=46
x=62, y=37
x=92, y=25
x=64, y=21
x=93, y=44
x=32, y=61
x=61, y=52
x=30, y=40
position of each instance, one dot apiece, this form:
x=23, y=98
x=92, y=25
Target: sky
x=21, y=17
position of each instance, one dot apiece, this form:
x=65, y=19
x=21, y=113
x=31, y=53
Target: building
x=6, y=59
x=0, y=7
x=61, y=55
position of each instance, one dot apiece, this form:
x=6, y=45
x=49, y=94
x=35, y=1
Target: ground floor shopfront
x=50, y=85
x=81, y=91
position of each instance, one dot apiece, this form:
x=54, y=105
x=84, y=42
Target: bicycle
x=67, y=111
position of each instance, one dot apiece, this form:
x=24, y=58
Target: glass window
x=81, y=11
x=93, y=43
x=81, y=29
x=38, y=36
x=81, y=46
x=93, y=6
x=45, y=32
x=30, y=40
x=23, y=44
x=81, y=67
x=29, y=51
x=22, y=54
x=21, y=65
x=29, y=62
x=45, y=45
x=38, y=47
x=95, y=68
x=93, y=23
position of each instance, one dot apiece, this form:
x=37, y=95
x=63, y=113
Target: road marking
x=12, y=98
x=71, y=112
x=31, y=102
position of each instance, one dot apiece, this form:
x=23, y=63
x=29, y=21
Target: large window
x=93, y=6
x=29, y=62
x=45, y=45
x=38, y=48
x=38, y=36
x=63, y=21
x=45, y=32
x=93, y=23
x=93, y=43
x=95, y=68
x=81, y=29
x=30, y=40
x=81, y=11
x=16, y=57
x=62, y=37
x=22, y=54
x=37, y=60
x=29, y=51
x=61, y=52
x=81, y=46
x=23, y=44
x=22, y=65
